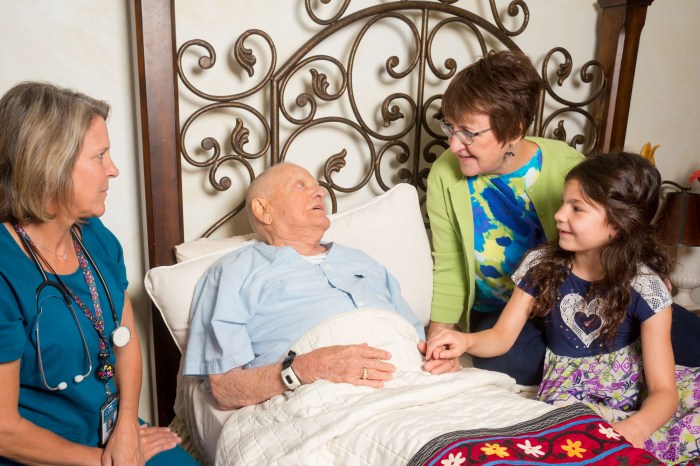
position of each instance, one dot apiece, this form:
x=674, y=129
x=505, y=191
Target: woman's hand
x=124, y=445
x=156, y=440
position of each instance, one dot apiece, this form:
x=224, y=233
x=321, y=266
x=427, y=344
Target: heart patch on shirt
x=581, y=317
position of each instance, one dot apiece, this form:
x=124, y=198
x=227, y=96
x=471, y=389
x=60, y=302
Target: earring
x=506, y=158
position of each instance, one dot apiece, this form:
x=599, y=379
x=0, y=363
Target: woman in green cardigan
x=491, y=197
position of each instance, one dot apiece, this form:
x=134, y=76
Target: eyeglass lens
x=465, y=137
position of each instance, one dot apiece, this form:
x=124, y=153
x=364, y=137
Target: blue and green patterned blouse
x=505, y=227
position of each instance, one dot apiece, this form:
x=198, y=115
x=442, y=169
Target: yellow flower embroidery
x=573, y=448
x=495, y=449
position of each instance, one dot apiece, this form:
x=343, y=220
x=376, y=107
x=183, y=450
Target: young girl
x=600, y=289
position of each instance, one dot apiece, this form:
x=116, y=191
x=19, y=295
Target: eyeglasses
x=464, y=136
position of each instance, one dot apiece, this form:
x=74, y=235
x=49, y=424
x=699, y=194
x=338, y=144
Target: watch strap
x=289, y=377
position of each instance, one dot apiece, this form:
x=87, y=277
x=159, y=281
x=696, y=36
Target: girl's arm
x=659, y=371
x=487, y=343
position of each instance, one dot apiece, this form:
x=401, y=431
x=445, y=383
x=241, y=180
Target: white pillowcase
x=389, y=228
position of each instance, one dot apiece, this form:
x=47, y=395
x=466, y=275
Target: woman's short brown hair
x=503, y=85
x=42, y=128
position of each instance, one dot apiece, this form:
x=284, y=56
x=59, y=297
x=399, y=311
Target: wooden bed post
x=154, y=30
x=620, y=30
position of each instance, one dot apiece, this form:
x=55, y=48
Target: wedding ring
x=365, y=373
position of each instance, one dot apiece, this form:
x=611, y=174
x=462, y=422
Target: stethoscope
x=120, y=336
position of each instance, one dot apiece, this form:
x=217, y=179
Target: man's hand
x=354, y=364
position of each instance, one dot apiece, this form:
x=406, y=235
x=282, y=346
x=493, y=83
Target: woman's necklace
x=63, y=256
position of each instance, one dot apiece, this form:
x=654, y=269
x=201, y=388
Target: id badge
x=108, y=418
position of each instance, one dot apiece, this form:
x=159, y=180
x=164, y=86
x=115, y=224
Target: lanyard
x=105, y=370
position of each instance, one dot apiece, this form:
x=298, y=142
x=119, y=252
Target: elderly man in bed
x=254, y=303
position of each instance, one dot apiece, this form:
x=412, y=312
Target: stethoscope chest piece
x=121, y=336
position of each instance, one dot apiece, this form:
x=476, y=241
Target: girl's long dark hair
x=627, y=186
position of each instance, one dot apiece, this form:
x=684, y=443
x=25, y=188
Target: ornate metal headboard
x=407, y=126
x=397, y=138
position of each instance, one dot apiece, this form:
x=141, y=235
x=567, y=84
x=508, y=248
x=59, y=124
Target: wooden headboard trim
x=154, y=35
x=620, y=32
x=155, y=44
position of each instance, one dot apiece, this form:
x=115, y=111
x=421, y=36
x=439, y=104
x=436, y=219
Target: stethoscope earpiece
x=78, y=378
x=62, y=386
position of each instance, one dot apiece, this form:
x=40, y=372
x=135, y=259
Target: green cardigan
x=452, y=224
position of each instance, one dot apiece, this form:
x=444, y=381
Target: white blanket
x=342, y=424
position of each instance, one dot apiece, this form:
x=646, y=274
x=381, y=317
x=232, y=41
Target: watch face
x=290, y=379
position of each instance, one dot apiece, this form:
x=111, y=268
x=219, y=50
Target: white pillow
x=203, y=246
x=389, y=228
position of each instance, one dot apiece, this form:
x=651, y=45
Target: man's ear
x=261, y=210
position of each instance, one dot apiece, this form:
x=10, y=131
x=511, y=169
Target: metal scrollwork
x=591, y=72
x=239, y=135
x=226, y=181
x=402, y=158
x=451, y=63
x=319, y=85
x=326, y=22
x=244, y=57
x=334, y=163
x=390, y=113
x=514, y=9
x=302, y=94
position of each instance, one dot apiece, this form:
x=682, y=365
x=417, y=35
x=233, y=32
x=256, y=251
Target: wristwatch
x=289, y=378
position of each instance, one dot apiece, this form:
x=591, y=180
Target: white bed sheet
x=326, y=423
x=196, y=408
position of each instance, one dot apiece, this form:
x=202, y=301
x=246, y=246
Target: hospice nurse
x=70, y=362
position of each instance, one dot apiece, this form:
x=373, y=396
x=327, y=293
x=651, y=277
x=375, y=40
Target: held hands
x=443, y=349
x=354, y=364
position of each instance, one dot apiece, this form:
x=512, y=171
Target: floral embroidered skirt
x=613, y=385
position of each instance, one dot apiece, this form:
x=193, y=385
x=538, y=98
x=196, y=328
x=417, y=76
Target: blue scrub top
x=72, y=413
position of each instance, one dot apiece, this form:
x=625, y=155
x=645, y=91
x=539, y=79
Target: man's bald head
x=285, y=207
